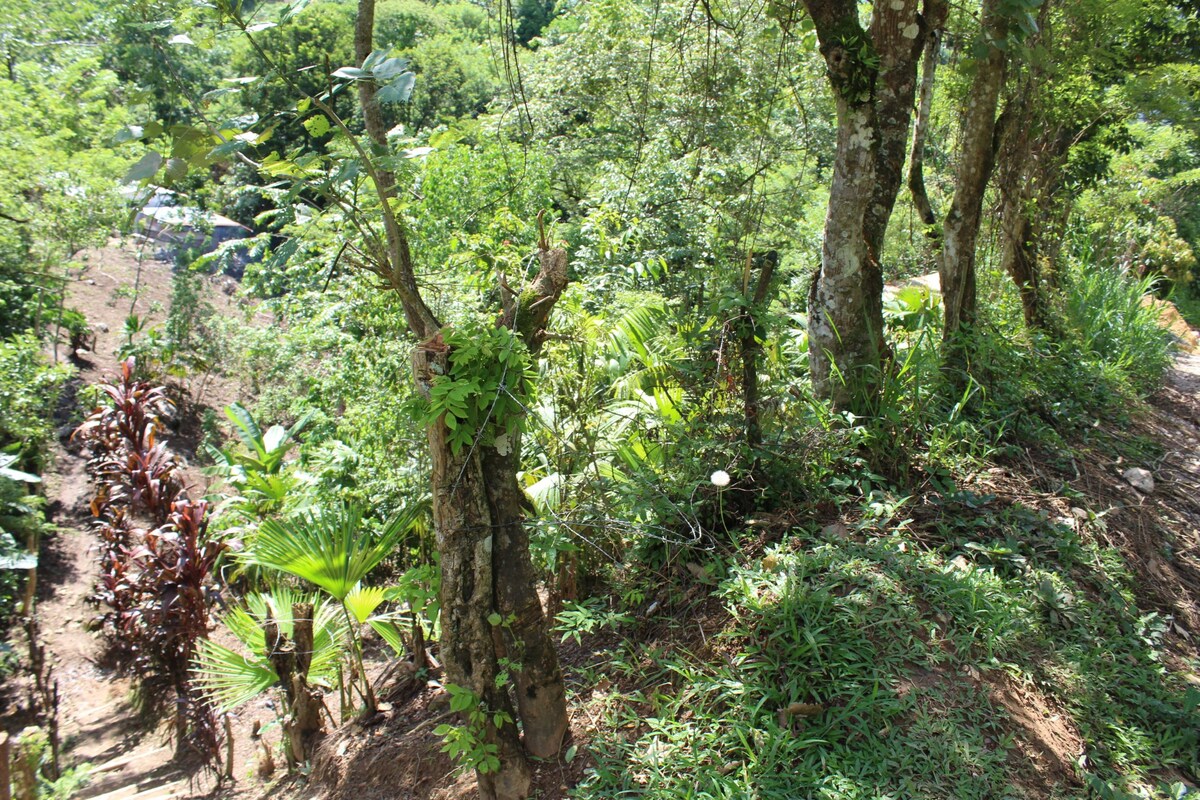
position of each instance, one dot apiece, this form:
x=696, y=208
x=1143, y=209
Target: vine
x=478, y=399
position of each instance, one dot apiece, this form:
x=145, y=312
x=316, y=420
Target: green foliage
x=264, y=452
x=299, y=55
x=29, y=390
x=256, y=472
x=481, y=399
x=331, y=549
x=465, y=743
x=232, y=677
x=860, y=667
x=577, y=620
x=59, y=191
x=33, y=745
x=456, y=80
x=1115, y=327
x=22, y=525
x=1142, y=216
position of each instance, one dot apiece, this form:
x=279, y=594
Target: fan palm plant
x=232, y=678
x=333, y=550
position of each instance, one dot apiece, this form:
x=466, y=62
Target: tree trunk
x=751, y=349
x=538, y=680
x=961, y=231
x=477, y=508
x=1018, y=249
x=874, y=82
x=395, y=262
x=843, y=339
x=1024, y=174
x=478, y=511
x=467, y=545
x=916, y=159
x=899, y=34
x=541, y=692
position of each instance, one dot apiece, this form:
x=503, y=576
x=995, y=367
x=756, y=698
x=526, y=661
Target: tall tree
x=975, y=162
x=873, y=78
x=491, y=614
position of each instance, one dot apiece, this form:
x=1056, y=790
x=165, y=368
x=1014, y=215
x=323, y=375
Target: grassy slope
x=984, y=644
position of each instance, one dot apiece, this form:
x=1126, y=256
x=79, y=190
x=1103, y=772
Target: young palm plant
x=232, y=678
x=289, y=639
x=333, y=550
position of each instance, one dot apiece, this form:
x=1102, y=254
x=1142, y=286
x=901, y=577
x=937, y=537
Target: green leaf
x=130, y=133
x=390, y=633
x=246, y=428
x=6, y=470
x=398, y=90
x=146, y=167
x=19, y=561
x=317, y=125
x=329, y=549
x=177, y=169
x=362, y=602
x=233, y=677
x=294, y=9
x=350, y=73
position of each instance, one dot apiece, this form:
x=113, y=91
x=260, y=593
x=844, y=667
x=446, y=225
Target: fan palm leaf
x=330, y=549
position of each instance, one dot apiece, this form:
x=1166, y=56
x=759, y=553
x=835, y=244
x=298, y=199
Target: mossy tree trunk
x=975, y=161
x=873, y=78
x=843, y=341
x=900, y=35
x=478, y=510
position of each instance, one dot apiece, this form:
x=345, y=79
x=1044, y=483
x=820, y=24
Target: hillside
x=994, y=640
x=600, y=398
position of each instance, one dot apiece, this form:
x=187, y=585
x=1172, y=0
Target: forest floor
x=396, y=754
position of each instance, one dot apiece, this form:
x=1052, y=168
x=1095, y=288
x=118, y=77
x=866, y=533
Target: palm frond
x=330, y=549
x=389, y=631
x=362, y=602
x=231, y=678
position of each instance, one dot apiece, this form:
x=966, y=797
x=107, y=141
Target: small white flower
x=720, y=478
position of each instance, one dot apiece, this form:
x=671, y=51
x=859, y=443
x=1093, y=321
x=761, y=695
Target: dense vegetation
x=590, y=296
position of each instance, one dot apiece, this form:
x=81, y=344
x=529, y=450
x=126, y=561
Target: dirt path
x=98, y=718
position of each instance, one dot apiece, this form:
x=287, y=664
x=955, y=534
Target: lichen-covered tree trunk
x=478, y=510
x=873, y=75
x=843, y=340
x=477, y=507
x=540, y=690
x=976, y=157
x=899, y=34
x=538, y=680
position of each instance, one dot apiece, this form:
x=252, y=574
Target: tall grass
x=1104, y=310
